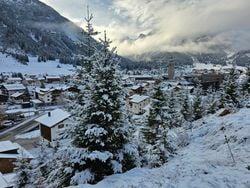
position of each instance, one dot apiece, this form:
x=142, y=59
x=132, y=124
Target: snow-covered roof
x=136, y=87
x=41, y=78
x=11, y=87
x=14, y=79
x=8, y=146
x=3, y=182
x=17, y=94
x=58, y=86
x=42, y=91
x=10, y=178
x=36, y=101
x=138, y=98
x=56, y=116
x=28, y=79
x=53, y=77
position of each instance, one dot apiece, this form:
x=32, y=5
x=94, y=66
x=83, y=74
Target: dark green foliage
x=101, y=126
x=155, y=148
x=197, y=107
x=246, y=84
x=22, y=171
x=156, y=113
x=186, y=108
x=230, y=90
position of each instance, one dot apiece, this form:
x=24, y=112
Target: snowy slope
x=9, y=64
x=204, y=163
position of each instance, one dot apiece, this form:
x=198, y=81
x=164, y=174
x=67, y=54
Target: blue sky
x=171, y=25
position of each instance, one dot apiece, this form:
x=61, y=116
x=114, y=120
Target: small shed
x=51, y=123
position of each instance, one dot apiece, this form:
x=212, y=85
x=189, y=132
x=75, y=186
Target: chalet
x=19, y=98
x=57, y=95
x=53, y=79
x=10, y=89
x=137, y=89
x=137, y=103
x=9, y=152
x=51, y=124
x=31, y=81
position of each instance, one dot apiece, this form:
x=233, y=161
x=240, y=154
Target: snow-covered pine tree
x=211, y=101
x=246, y=83
x=197, y=108
x=173, y=113
x=155, y=149
x=97, y=143
x=22, y=170
x=75, y=101
x=100, y=137
x=2, y=115
x=229, y=90
x=186, y=107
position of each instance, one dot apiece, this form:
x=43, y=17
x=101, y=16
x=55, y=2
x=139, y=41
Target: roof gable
x=56, y=116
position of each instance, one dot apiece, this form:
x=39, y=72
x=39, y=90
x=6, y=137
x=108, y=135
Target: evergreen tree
x=174, y=115
x=211, y=101
x=156, y=149
x=229, y=90
x=156, y=116
x=246, y=83
x=197, y=108
x=186, y=107
x=42, y=85
x=102, y=130
x=2, y=116
x=23, y=171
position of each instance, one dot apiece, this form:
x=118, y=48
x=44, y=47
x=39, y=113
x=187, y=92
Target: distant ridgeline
x=31, y=27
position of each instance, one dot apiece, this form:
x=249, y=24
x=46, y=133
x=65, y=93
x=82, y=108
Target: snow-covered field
x=9, y=64
x=206, y=162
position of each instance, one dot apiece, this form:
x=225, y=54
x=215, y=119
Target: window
x=60, y=126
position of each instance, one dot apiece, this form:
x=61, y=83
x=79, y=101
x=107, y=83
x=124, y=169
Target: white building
x=137, y=103
x=51, y=124
x=44, y=95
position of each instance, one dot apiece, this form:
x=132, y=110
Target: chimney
x=49, y=114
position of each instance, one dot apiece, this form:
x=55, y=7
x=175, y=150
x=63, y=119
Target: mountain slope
x=30, y=26
x=205, y=162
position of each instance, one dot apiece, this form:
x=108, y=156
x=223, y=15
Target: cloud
x=172, y=25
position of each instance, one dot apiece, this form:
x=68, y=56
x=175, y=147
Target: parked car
x=8, y=123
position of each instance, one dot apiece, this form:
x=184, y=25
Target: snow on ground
x=9, y=64
x=29, y=135
x=205, y=162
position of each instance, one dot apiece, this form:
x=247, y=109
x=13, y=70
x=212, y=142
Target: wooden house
x=51, y=124
x=10, y=89
x=9, y=152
